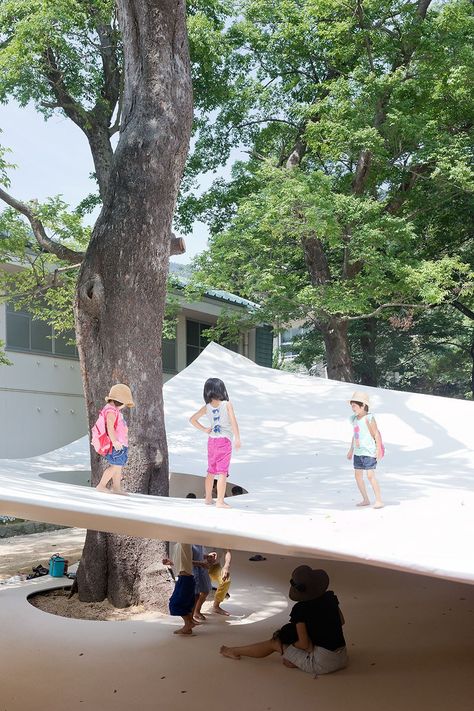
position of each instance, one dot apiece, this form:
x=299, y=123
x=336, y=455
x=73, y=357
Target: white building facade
x=41, y=397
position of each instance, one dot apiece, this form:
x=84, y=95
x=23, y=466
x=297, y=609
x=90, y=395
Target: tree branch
x=45, y=242
x=178, y=245
x=71, y=108
x=316, y=261
x=423, y=6
x=465, y=310
x=94, y=124
x=297, y=154
x=388, y=306
x=367, y=40
x=362, y=172
x=268, y=119
x=406, y=186
x=112, y=75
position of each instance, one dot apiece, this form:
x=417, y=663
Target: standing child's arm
x=234, y=425
x=351, y=450
x=110, y=425
x=374, y=431
x=194, y=420
x=226, y=567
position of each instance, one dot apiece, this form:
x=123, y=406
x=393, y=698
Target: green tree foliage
x=356, y=200
x=430, y=353
x=65, y=57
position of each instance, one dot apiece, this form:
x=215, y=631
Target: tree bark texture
x=368, y=341
x=338, y=354
x=334, y=330
x=121, y=290
x=472, y=366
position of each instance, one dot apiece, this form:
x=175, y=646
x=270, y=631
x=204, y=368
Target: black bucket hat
x=307, y=584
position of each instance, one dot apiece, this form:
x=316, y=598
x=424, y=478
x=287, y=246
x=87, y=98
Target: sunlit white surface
x=302, y=494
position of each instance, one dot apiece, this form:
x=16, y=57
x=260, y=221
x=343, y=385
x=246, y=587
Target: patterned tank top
x=219, y=421
x=364, y=443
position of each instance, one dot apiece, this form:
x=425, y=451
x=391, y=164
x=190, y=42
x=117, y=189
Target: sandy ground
x=58, y=602
x=19, y=554
x=410, y=640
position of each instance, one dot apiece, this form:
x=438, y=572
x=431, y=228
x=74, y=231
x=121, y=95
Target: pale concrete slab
x=409, y=638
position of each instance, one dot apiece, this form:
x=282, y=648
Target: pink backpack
x=100, y=439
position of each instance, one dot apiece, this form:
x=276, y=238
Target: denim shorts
x=363, y=462
x=118, y=457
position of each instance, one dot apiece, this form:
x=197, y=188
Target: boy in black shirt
x=313, y=641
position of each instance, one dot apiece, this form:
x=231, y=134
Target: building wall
x=41, y=398
x=41, y=404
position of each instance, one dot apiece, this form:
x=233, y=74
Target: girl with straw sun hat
x=114, y=435
x=366, y=447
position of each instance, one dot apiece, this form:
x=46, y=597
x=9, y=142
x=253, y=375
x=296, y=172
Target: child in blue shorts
x=366, y=447
x=119, y=397
x=182, y=600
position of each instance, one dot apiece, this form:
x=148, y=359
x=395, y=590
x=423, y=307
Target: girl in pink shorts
x=222, y=427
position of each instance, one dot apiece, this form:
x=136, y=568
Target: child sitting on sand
x=313, y=641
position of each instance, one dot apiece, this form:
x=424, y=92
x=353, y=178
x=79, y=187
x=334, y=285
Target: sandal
x=41, y=570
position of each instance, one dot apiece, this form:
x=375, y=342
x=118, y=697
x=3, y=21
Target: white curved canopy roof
x=302, y=494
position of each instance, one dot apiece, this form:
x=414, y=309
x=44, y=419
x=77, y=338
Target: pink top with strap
x=121, y=429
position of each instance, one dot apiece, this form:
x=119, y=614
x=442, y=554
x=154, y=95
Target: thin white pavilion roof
x=295, y=433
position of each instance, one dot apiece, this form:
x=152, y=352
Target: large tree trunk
x=368, y=340
x=121, y=291
x=338, y=354
x=472, y=366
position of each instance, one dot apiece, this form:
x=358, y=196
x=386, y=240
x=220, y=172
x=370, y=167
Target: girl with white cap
x=366, y=447
x=116, y=429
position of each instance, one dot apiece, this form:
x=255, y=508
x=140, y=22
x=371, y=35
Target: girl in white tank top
x=222, y=428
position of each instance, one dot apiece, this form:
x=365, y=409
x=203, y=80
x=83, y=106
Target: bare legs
x=221, y=487
x=114, y=473
x=257, y=650
x=188, y=625
x=209, y=483
x=359, y=475
x=200, y=600
x=215, y=573
x=375, y=486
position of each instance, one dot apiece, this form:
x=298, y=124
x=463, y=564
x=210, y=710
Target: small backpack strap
x=367, y=422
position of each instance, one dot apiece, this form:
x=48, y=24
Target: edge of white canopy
x=301, y=490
